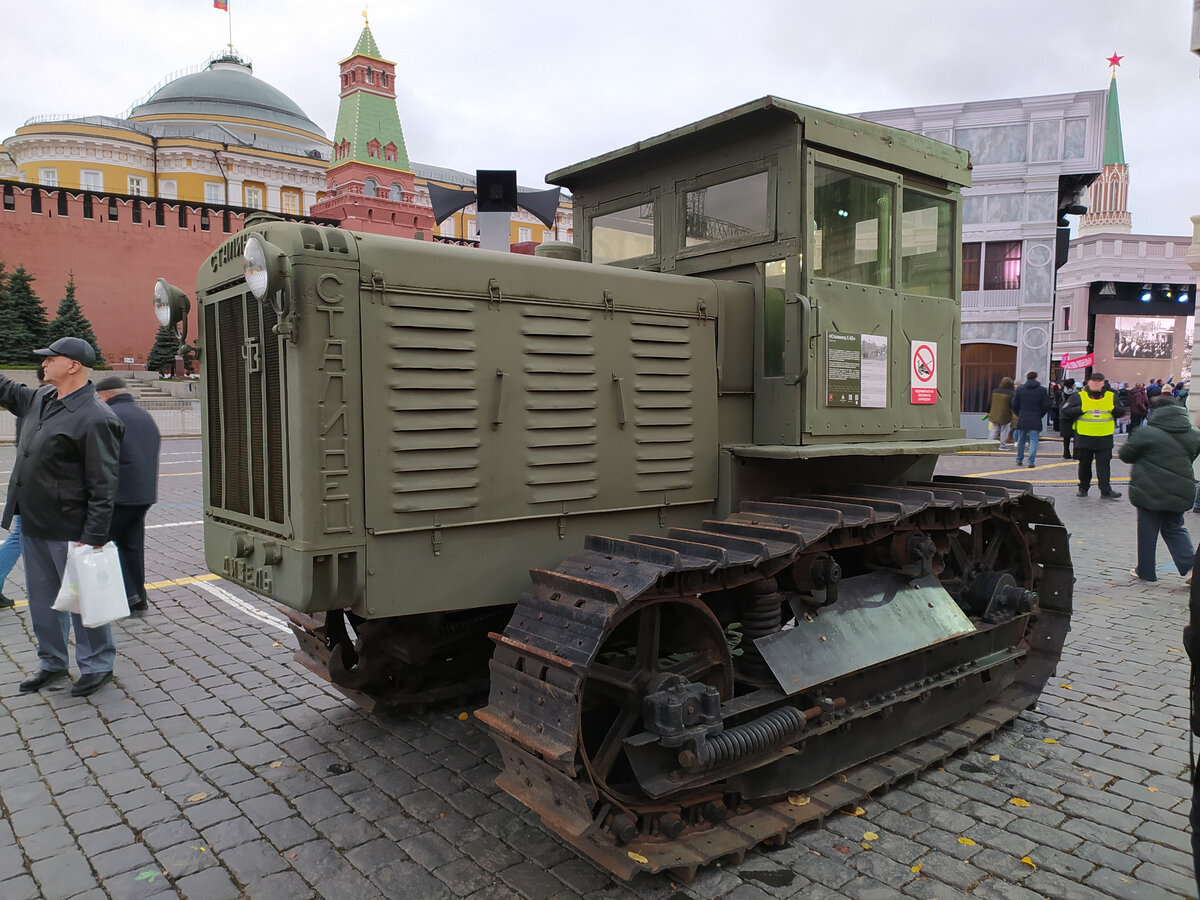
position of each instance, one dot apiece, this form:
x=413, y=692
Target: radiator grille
x=560, y=405
x=244, y=385
x=434, y=407
x=664, y=414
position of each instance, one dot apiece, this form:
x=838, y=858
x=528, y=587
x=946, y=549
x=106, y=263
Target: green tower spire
x=368, y=126
x=1114, y=147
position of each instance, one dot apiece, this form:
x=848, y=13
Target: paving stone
x=231, y=833
x=252, y=860
x=287, y=833
x=21, y=887
x=279, y=886
x=210, y=884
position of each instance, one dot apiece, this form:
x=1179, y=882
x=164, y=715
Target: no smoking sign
x=922, y=371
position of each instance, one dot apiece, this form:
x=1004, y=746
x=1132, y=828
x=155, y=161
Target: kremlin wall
x=120, y=202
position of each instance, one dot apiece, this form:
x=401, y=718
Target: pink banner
x=1079, y=362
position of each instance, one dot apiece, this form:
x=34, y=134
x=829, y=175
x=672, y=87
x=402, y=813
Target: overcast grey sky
x=536, y=86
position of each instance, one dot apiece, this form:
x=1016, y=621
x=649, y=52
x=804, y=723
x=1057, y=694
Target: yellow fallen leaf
x=916, y=868
x=1050, y=740
x=1174, y=649
x=276, y=764
x=637, y=857
x=1152, y=790
x=870, y=836
x=462, y=717
x=276, y=644
x=967, y=841
x=1017, y=801
x=866, y=846
x=1065, y=685
x=858, y=811
x=1029, y=862
x=995, y=757
x=196, y=798
x=799, y=799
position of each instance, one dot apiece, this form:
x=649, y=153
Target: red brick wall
x=115, y=261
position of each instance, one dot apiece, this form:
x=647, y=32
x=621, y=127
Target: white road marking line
x=242, y=606
x=175, y=524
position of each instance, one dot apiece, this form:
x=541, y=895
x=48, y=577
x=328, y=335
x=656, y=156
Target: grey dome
x=227, y=88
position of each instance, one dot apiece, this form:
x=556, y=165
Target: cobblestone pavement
x=214, y=767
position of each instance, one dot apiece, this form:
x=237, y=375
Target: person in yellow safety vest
x=1094, y=412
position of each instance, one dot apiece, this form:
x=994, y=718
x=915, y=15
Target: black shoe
x=1110, y=495
x=40, y=680
x=89, y=684
x=1031, y=465
x=138, y=608
x=1082, y=492
x=5, y=603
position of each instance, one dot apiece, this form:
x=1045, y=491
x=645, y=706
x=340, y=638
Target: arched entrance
x=983, y=365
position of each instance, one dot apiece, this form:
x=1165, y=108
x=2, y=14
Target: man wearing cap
x=63, y=484
x=1094, y=412
x=137, y=488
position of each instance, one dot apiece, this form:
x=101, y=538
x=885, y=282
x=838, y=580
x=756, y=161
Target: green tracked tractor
x=669, y=492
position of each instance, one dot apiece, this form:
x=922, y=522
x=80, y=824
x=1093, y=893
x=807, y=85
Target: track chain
x=542, y=660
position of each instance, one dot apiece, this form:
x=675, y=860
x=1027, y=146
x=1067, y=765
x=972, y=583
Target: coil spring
x=767, y=732
x=761, y=615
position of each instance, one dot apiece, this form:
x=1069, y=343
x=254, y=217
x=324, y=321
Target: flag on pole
x=221, y=4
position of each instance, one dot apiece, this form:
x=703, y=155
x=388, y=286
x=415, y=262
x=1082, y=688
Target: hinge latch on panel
x=702, y=311
x=610, y=305
x=494, y=295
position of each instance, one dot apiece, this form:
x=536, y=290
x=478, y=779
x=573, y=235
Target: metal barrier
x=174, y=418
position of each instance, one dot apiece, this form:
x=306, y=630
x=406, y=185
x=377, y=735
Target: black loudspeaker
x=496, y=190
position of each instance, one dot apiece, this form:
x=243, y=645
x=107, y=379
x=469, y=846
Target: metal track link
x=543, y=660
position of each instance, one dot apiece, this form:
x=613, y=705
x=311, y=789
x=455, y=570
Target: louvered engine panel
x=434, y=406
x=664, y=413
x=560, y=384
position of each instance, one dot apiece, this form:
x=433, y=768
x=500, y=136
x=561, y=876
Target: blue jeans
x=10, y=551
x=1150, y=524
x=1032, y=437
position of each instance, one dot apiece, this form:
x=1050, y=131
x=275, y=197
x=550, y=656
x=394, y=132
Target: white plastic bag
x=68, y=595
x=101, y=587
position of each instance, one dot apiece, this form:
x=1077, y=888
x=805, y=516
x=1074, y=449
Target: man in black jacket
x=137, y=488
x=62, y=485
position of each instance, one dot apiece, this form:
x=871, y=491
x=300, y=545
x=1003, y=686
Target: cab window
x=926, y=245
x=852, y=237
x=623, y=234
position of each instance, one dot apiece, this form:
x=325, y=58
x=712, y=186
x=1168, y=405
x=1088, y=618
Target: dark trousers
x=94, y=648
x=1150, y=524
x=1103, y=458
x=128, y=532
x=1067, y=433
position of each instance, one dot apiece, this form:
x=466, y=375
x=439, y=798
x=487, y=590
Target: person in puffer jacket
x=1161, y=484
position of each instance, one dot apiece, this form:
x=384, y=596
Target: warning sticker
x=923, y=371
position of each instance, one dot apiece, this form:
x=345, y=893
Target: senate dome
x=227, y=89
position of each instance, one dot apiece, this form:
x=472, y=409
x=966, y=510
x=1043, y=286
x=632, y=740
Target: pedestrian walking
x=1030, y=403
x=1065, y=426
x=1092, y=413
x=137, y=487
x=63, y=484
x=1000, y=412
x=1139, y=406
x=1161, y=484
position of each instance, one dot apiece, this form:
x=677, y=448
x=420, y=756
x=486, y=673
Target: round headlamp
x=254, y=264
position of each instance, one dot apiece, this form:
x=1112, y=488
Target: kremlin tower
x=1108, y=196
x=370, y=181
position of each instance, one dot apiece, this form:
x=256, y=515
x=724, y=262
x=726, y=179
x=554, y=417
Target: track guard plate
x=877, y=617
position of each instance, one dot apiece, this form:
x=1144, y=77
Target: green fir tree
x=15, y=340
x=162, y=355
x=71, y=322
x=24, y=322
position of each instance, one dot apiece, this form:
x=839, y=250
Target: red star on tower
x=1115, y=60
